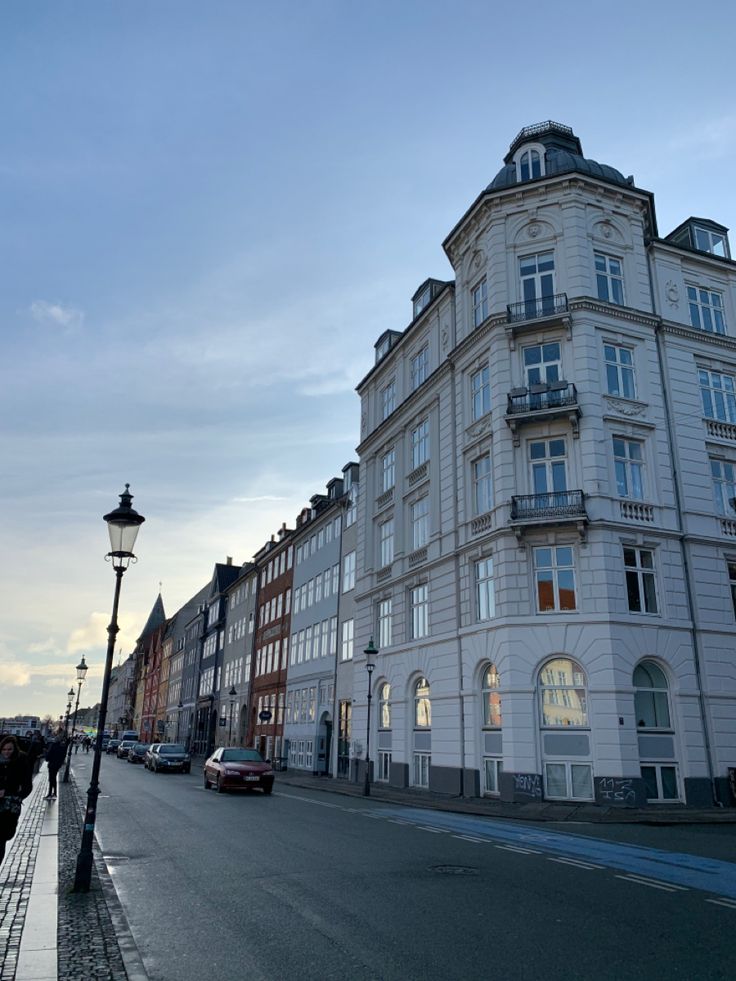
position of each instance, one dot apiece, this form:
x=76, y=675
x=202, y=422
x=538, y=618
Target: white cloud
x=15, y=674
x=56, y=314
x=259, y=499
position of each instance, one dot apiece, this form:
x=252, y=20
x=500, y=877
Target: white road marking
x=578, y=863
x=723, y=901
x=435, y=831
x=478, y=841
x=651, y=883
x=515, y=848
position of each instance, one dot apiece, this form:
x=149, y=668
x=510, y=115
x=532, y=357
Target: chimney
x=228, y=560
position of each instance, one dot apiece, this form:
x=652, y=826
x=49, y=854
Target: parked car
x=123, y=748
x=149, y=753
x=137, y=752
x=169, y=756
x=112, y=745
x=232, y=768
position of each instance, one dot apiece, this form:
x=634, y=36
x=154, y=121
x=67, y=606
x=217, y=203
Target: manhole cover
x=453, y=869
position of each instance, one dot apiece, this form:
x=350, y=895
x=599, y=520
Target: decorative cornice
x=692, y=334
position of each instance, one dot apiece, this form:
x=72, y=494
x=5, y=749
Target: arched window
x=530, y=165
x=491, y=698
x=564, y=697
x=422, y=705
x=651, y=698
x=384, y=701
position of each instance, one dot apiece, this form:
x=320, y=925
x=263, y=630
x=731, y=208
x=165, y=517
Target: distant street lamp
x=179, y=707
x=81, y=674
x=233, y=694
x=70, y=696
x=370, y=664
x=122, y=524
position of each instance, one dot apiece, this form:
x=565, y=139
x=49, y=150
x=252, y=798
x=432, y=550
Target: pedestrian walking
x=35, y=752
x=87, y=744
x=15, y=786
x=55, y=756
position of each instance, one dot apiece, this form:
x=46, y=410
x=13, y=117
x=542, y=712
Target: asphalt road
x=310, y=885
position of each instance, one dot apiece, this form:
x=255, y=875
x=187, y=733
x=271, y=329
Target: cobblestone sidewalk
x=16, y=875
x=88, y=940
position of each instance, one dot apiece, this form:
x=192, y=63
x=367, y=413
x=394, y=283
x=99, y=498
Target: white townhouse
x=240, y=612
x=546, y=553
x=310, y=686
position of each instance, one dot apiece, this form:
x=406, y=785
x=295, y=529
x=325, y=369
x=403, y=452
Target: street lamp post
x=233, y=694
x=81, y=674
x=179, y=707
x=122, y=524
x=370, y=664
x=70, y=696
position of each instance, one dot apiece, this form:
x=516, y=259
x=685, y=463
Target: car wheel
x=207, y=784
x=268, y=790
x=220, y=788
x=155, y=767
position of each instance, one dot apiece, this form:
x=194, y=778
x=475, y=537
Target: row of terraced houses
x=539, y=533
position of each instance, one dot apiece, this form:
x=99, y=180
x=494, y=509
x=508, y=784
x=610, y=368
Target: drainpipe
x=689, y=588
x=461, y=685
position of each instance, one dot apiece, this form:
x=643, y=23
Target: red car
x=232, y=768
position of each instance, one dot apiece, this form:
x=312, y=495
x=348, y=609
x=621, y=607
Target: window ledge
x=384, y=499
x=721, y=430
x=418, y=473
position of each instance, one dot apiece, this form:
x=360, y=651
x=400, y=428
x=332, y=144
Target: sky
x=209, y=213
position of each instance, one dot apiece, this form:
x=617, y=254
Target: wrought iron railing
x=558, y=504
x=535, y=398
x=544, y=306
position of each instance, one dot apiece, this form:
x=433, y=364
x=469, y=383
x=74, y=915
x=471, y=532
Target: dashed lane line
x=723, y=901
x=518, y=850
x=477, y=841
x=434, y=831
x=664, y=886
x=576, y=863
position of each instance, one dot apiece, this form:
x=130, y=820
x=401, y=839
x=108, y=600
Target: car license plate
x=250, y=778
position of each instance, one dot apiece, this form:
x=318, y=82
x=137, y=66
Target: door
x=548, y=462
x=538, y=283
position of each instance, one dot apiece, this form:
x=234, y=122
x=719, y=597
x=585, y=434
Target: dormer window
x=707, y=240
x=529, y=163
x=382, y=349
x=422, y=300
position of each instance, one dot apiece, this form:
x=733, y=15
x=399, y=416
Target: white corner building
x=547, y=518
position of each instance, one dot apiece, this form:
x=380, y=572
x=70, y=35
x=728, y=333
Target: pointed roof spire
x=156, y=618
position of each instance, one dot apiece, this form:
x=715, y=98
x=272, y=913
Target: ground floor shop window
x=660, y=781
x=309, y=754
x=384, y=767
x=492, y=767
x=568, y=781
x=422, y=762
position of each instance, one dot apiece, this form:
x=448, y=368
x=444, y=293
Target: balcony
x=556, y=508
x=531, y=315
x=540, y=402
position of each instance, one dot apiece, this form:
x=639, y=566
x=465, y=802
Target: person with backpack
x=15, y=786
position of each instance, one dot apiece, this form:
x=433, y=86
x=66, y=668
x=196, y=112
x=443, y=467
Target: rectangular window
x=325, y=637
x=420, y=523
x=537, y=275
x=485, y=595
x=732, y=584
x=554, y=572
x=419, y=368
x=609, y=278
x=326, y=582
x=348, y=572
x=420, y=444
x=492, y=768
x=480, y=393
x=709, y=241
x=384, y=623
x=346, y=653
x=706, y=310
x=660, y=782
x=723, y=476
x=388, y=470
x=480, y=302
x=568, y=781
x=543, y=363
x=317, y=588
x=386, y=539
x=422, y=763
x=388, y=399
x=718, y=393
x=384, y=767
x=335, y=579
x=482, y=485
x=619, y=371
x=548, y=460
x=628, y=461
x=640, y=583
x=333, y=636
x=310, y=593
x=419, y=604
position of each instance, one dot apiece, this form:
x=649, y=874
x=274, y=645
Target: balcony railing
x=554, y=506
x=539, y=398
x=544, y=306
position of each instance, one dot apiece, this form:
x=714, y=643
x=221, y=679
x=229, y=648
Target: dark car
x=137, y=752
x=123, y=748
x=112, y=746
x=232, y=768
x=169, y=756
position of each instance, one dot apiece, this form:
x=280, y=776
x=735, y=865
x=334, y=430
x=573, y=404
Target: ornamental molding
x=672, y=292
x=693, y=334
x=479, y=429
x=612, y=309
x=625, y=407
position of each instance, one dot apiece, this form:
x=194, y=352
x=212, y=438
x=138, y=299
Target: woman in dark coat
x=55, y=756
x=15, y=786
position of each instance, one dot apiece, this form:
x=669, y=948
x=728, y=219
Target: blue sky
x=209, y=212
